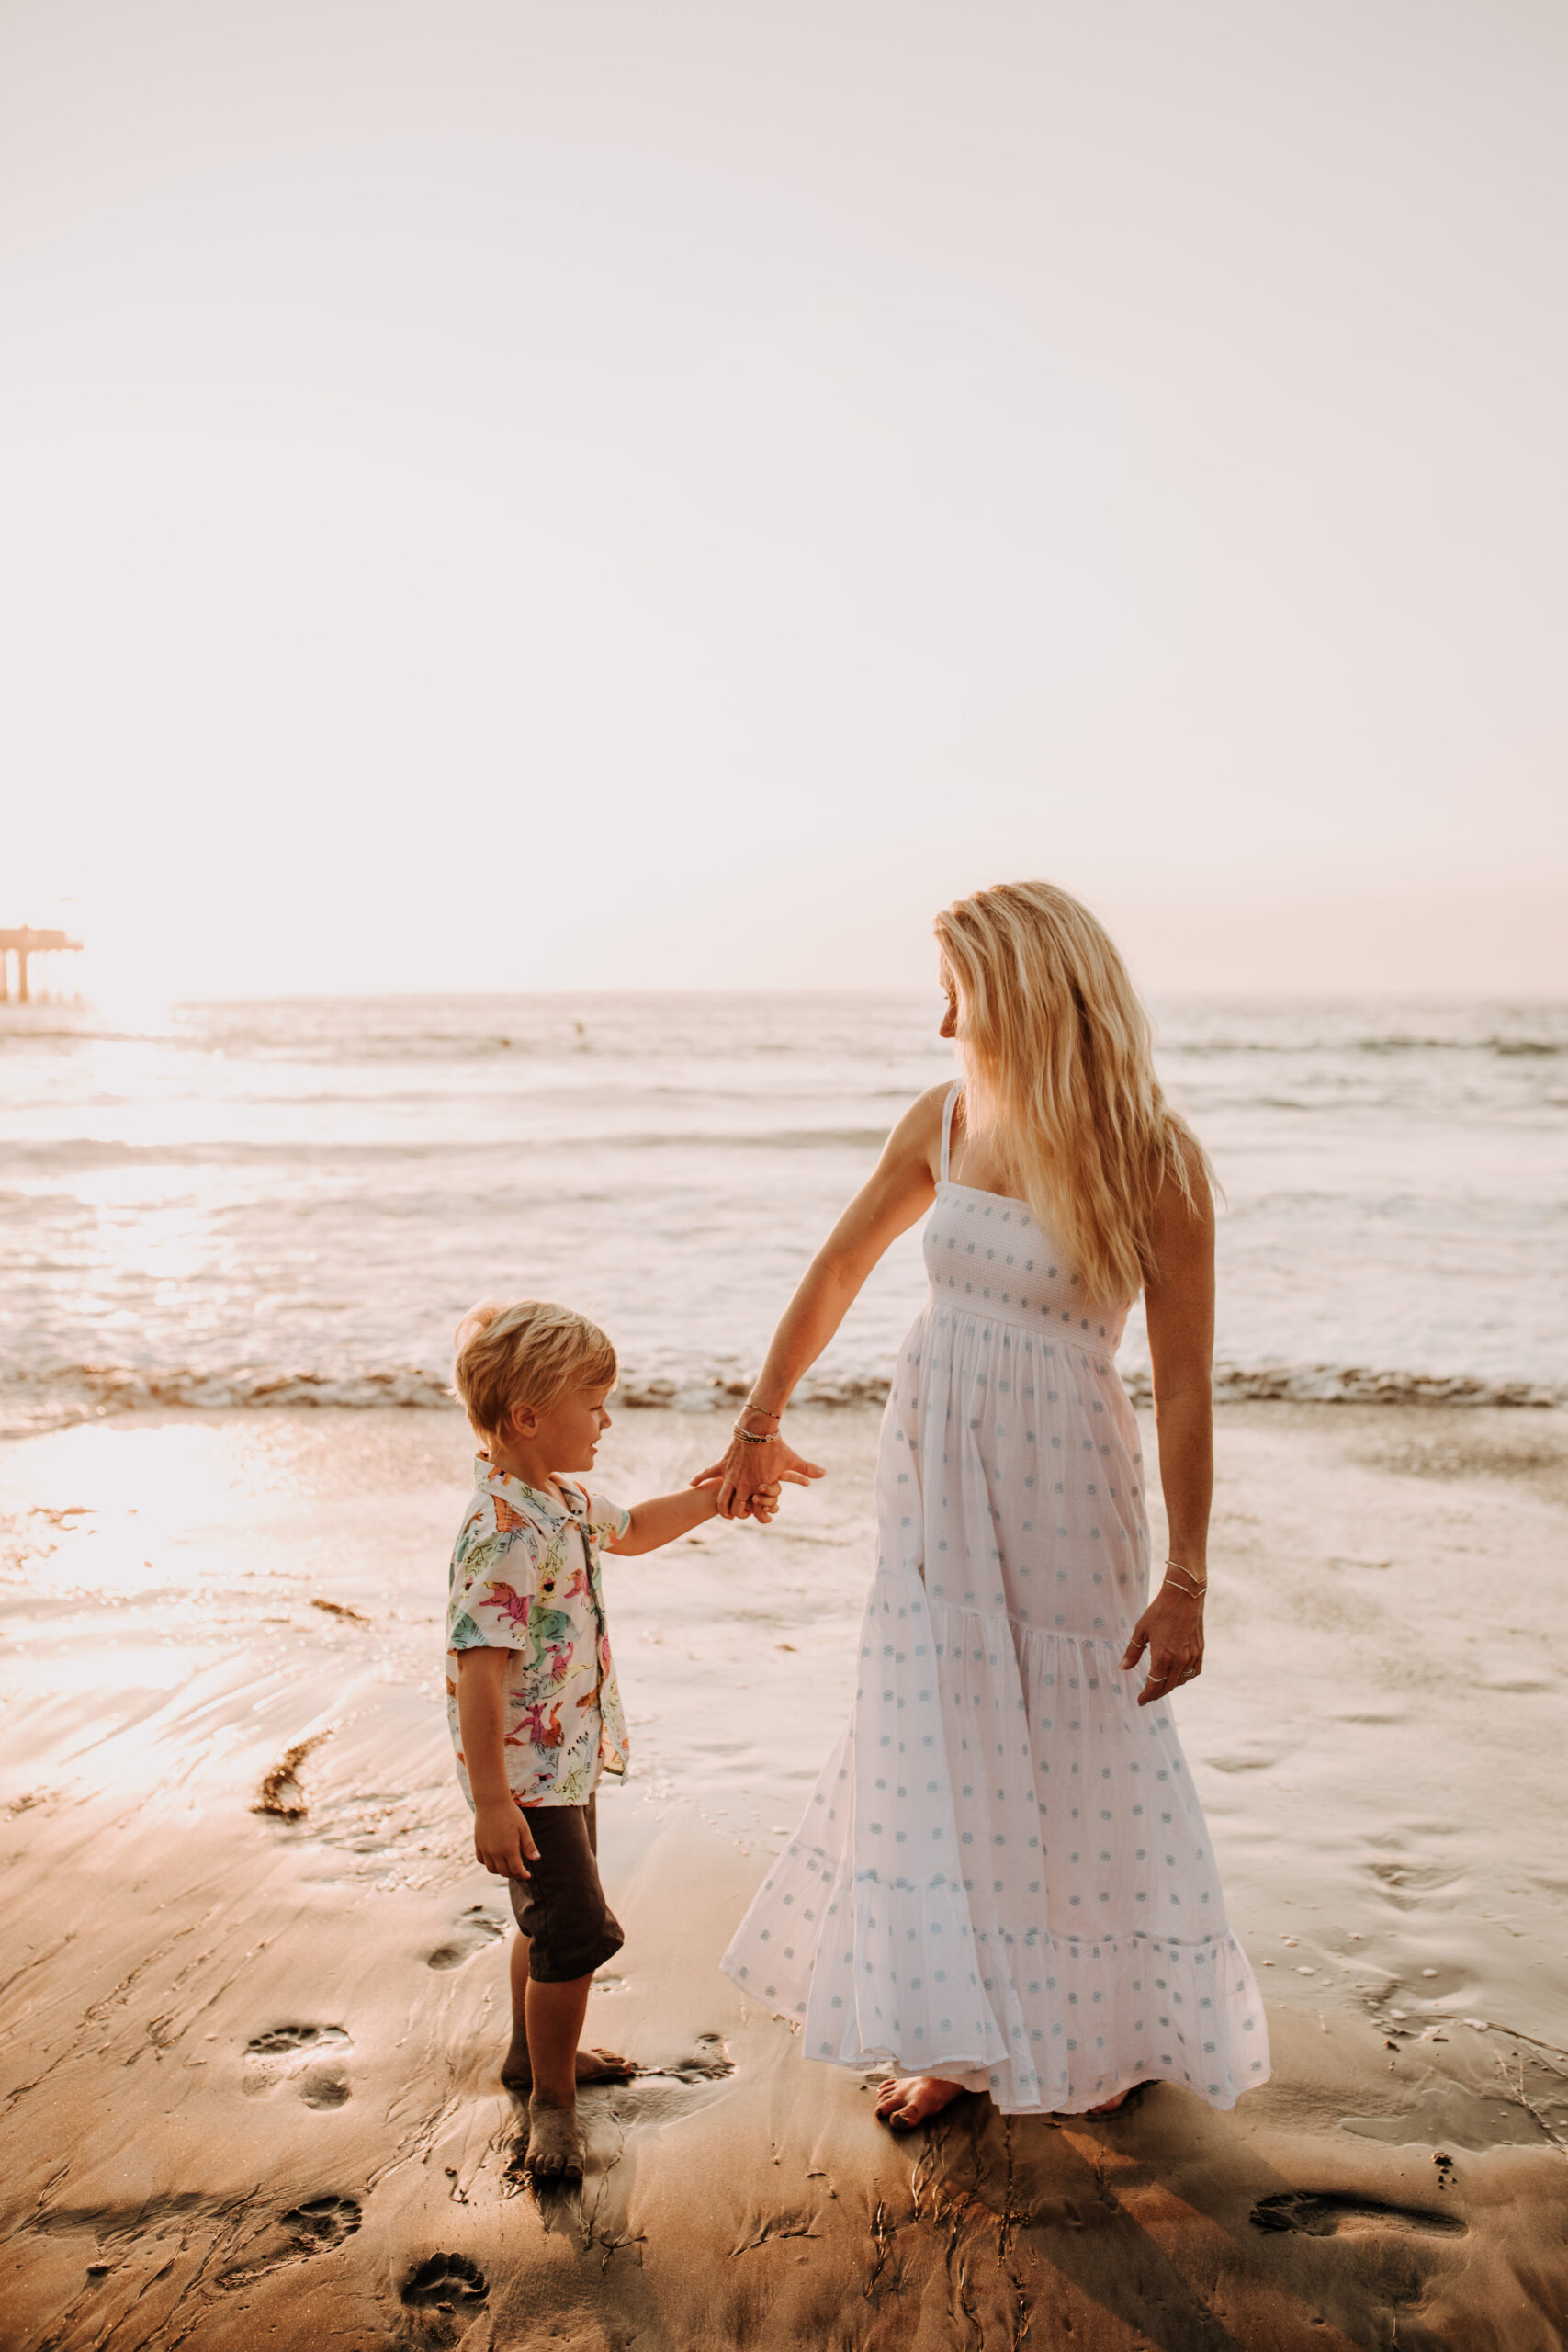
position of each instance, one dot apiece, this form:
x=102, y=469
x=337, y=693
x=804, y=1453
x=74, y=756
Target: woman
x=1003, y=1881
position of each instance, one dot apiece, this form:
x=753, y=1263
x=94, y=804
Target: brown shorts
x=560, y=1905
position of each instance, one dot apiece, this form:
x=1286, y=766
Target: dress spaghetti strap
x=954, y=1092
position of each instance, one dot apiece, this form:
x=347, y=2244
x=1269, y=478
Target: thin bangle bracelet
x=1195, y=1585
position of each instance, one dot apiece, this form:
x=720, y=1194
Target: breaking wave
x=92, y=1392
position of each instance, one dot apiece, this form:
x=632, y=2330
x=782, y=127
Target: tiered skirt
x=1004, y=1877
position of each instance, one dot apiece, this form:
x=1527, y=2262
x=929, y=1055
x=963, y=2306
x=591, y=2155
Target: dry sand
x=250, y=2064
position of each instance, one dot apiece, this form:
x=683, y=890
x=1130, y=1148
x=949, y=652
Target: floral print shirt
x=527, y=1578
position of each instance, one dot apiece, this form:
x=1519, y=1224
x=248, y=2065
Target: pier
x=22, y=944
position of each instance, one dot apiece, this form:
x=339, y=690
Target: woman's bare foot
x=1113, y=2106
x=592, y=2066
x=905, y=2101
x=555, y=2143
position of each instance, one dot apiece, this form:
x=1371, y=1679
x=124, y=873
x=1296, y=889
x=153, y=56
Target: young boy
x=532, y=1701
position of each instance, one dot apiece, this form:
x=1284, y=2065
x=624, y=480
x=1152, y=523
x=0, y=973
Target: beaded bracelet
x=755, y=1437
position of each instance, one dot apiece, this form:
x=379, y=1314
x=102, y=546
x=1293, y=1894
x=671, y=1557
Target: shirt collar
x=522, y=1497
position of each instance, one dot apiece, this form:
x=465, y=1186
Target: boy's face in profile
x=566, y=1435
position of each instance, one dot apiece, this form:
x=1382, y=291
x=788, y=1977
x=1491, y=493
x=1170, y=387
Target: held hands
x=764, y=1504
x=1171, y=1629
x=748, y=1473
x=502, y=1840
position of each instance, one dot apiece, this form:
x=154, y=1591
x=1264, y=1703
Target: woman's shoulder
x=929, y=1108
x=919, y=1132
x=1181, y=1208
x=1186, y=1174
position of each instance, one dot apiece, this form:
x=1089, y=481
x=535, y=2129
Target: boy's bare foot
x=592, y=2066
x=905, y=2101
x=555, y=2143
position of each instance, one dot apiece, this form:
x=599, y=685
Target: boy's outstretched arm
x=667, y=1516
x=504, y=1842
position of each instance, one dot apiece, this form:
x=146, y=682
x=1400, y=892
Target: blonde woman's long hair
x=1059, y=1078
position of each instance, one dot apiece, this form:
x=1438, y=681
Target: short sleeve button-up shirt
x=527, y=1578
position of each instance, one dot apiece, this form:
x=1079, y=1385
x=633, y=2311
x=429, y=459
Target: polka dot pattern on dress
x=1004, y=1874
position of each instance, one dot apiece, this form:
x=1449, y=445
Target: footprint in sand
x=475, y=1932
x=447, y=2282
x=313, y=2227
x=310, y=2055
x=660, y=2094
x=322, y=2221
x=709, y=2063
x=1319, y=2213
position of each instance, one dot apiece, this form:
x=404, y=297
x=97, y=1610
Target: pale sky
x=623, y=493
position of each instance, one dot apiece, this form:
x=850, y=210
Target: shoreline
x=251, y=2060
x=97, y=1394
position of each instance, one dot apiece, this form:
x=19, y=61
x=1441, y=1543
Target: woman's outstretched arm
x=901, y=1191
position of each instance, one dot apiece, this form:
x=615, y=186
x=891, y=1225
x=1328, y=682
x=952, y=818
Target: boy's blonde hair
x=525, y=1353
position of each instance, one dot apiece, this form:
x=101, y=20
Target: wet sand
x=250, y=2056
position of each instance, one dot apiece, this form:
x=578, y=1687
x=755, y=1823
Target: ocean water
x=289, y=1201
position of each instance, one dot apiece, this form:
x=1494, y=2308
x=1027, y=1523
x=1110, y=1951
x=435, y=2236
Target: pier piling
x=23, y=944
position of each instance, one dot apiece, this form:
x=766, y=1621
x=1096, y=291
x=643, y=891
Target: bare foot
x=1111, y=2105
x=905, y=2101
x=555, y=2143
x=592, y=2066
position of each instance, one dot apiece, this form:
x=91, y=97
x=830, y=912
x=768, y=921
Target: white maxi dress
x=1003, y=1875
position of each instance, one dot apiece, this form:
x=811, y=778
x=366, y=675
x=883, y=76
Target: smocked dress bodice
x=985, y=1255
